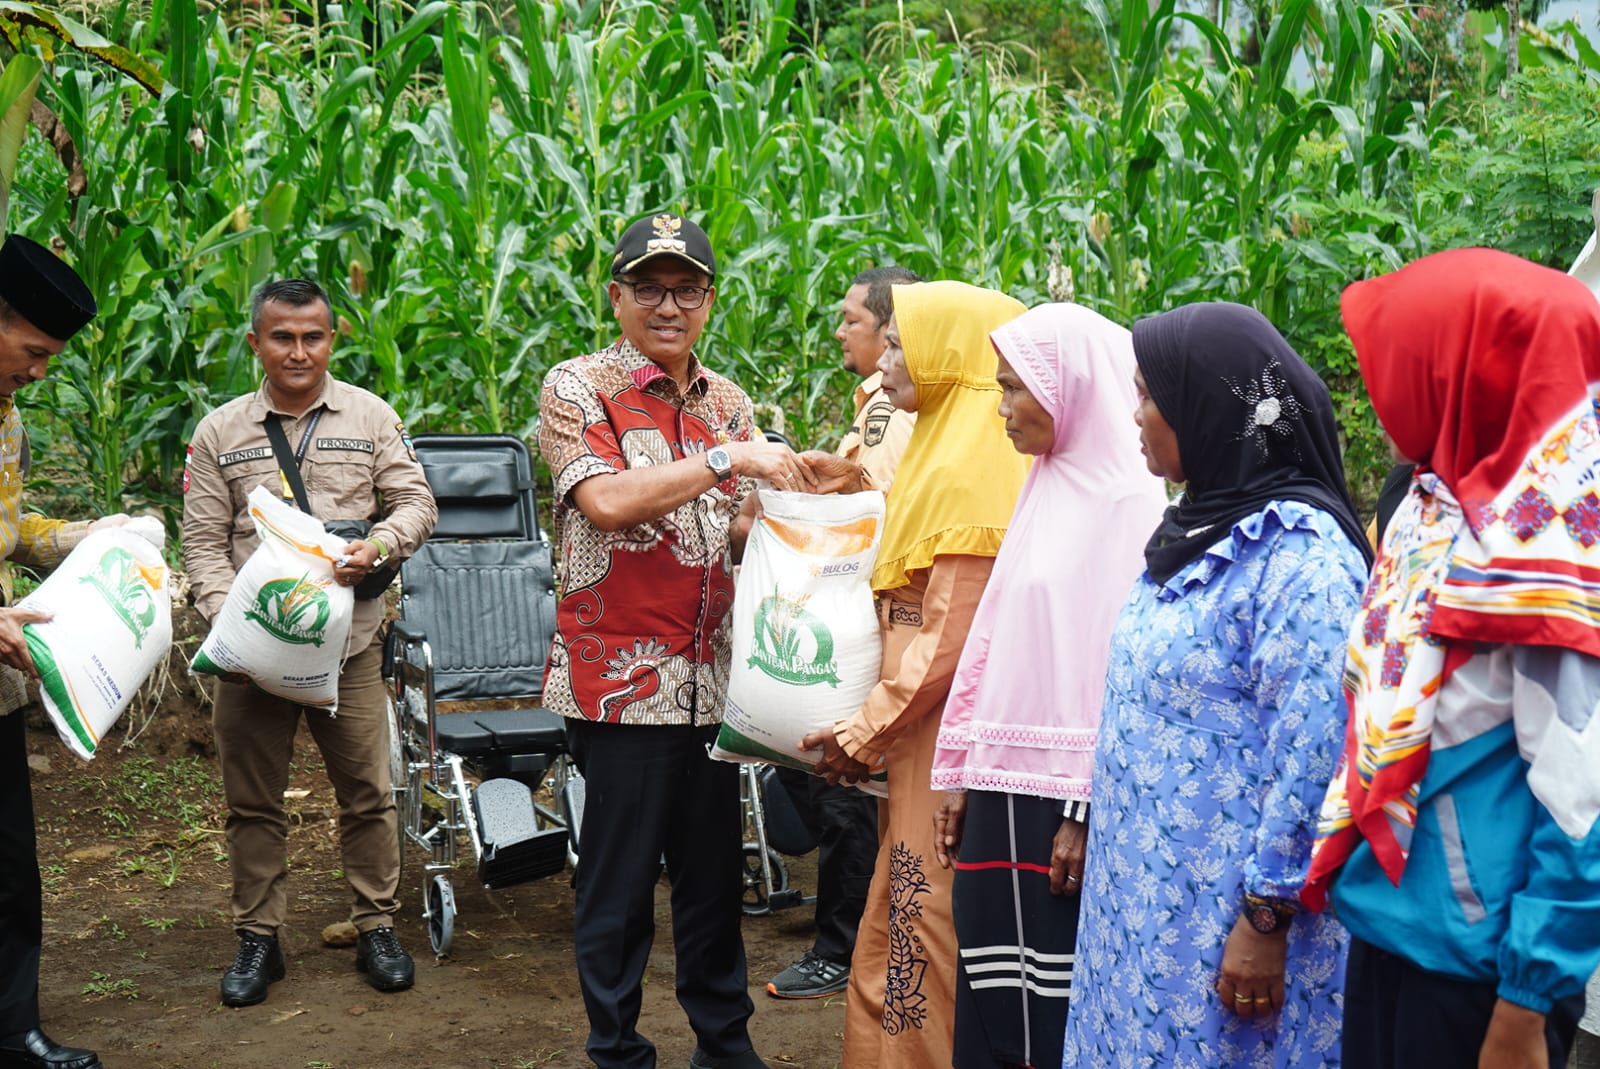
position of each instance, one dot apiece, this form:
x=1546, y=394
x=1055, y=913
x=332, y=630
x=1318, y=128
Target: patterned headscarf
x=1484, y=369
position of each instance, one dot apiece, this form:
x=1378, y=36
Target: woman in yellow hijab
x=952, y=497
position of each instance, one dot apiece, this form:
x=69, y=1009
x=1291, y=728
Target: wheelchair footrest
x=787, y=899
x=516, y=848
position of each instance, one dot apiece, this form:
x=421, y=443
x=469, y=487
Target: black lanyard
x=305, y=437
x=280, y=446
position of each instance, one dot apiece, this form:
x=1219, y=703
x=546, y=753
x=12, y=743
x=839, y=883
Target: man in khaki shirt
x=844, y=819
x=357, y=464
x=879, y=432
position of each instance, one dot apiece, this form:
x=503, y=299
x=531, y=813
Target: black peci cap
x=665, y=234
x=41, y=288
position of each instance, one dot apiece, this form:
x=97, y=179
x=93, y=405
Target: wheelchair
x=773, y=829
x=474, y=756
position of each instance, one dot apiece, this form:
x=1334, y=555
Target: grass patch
x=141, y=790
x=103, y=985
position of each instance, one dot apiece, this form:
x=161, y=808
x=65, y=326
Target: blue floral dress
x=1223, y=719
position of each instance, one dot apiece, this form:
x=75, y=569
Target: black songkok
x=41, y=288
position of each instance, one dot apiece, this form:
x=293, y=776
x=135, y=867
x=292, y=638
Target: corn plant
x=455, y=174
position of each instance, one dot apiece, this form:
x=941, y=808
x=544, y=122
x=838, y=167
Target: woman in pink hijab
x=1016, y=746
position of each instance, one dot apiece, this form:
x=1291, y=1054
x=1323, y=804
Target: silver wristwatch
x=720, y=463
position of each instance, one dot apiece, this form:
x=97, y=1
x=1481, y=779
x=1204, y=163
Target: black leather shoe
x=386, y=963
x=260, y=962
x=35, y=1050
x=748, y=1059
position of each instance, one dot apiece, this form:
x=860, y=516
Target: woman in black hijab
x=1222, y=717
x=1255, y=424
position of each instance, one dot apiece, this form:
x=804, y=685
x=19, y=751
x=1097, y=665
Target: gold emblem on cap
x=666, y=239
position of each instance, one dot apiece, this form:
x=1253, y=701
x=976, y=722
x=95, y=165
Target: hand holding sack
x=806, y=644
x=286, y=621
x=111, y=608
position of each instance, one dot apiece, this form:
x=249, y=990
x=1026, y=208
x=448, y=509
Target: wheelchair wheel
x=440, y=914
x=757, y=894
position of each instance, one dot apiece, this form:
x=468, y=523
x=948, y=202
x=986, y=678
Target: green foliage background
x=456, y=174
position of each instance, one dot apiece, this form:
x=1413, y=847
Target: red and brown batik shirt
x=642, y=620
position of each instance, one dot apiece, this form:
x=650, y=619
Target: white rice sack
x=285, y=622
x=111, y=608
x=806, y=645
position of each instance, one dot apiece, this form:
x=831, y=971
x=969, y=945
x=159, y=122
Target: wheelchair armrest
x=408, y=633
x=407, y=656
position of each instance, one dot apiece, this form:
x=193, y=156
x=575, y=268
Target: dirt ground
x=137, y=934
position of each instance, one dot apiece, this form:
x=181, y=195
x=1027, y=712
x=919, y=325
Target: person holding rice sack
x=947, y=512
x=43, y=303
x=354, y=459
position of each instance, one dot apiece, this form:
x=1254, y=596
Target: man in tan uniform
x=879, y=432
x=357, y=463
x=844, y=819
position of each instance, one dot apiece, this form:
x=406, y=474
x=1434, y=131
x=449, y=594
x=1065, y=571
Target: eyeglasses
x=651, y=294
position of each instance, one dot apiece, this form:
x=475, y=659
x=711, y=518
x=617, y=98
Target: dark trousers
x=1396, y=1016
x=651, y=792
x=21, y=909
x=844, y=821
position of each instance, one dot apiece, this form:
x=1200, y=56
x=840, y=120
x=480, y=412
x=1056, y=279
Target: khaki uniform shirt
x=878, y=435
x=26, y=538
x=358, y=465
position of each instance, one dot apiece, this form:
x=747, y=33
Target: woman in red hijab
x=1458, y=840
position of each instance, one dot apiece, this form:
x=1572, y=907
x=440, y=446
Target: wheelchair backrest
x=482, y=587
x=483, y=484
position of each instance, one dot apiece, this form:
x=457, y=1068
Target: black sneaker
x=810, y=977
x=258, y=964
x=386, y=963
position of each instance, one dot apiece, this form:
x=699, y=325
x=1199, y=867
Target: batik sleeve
x=576, y=438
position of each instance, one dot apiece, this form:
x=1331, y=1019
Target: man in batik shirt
x=652, y=455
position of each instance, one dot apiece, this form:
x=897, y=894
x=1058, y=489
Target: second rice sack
x=285, y=621
x=807, y=648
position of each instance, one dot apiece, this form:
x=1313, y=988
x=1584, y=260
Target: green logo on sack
x=793, y=645
x=129, y=588
x=294, y=610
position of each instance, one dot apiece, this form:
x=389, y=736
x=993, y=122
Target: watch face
x=719, y=460
x=1265, y=920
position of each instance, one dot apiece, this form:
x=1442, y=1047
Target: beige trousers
x=255, y=741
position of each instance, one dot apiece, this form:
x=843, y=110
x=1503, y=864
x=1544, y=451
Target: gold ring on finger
x=1242, y=998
